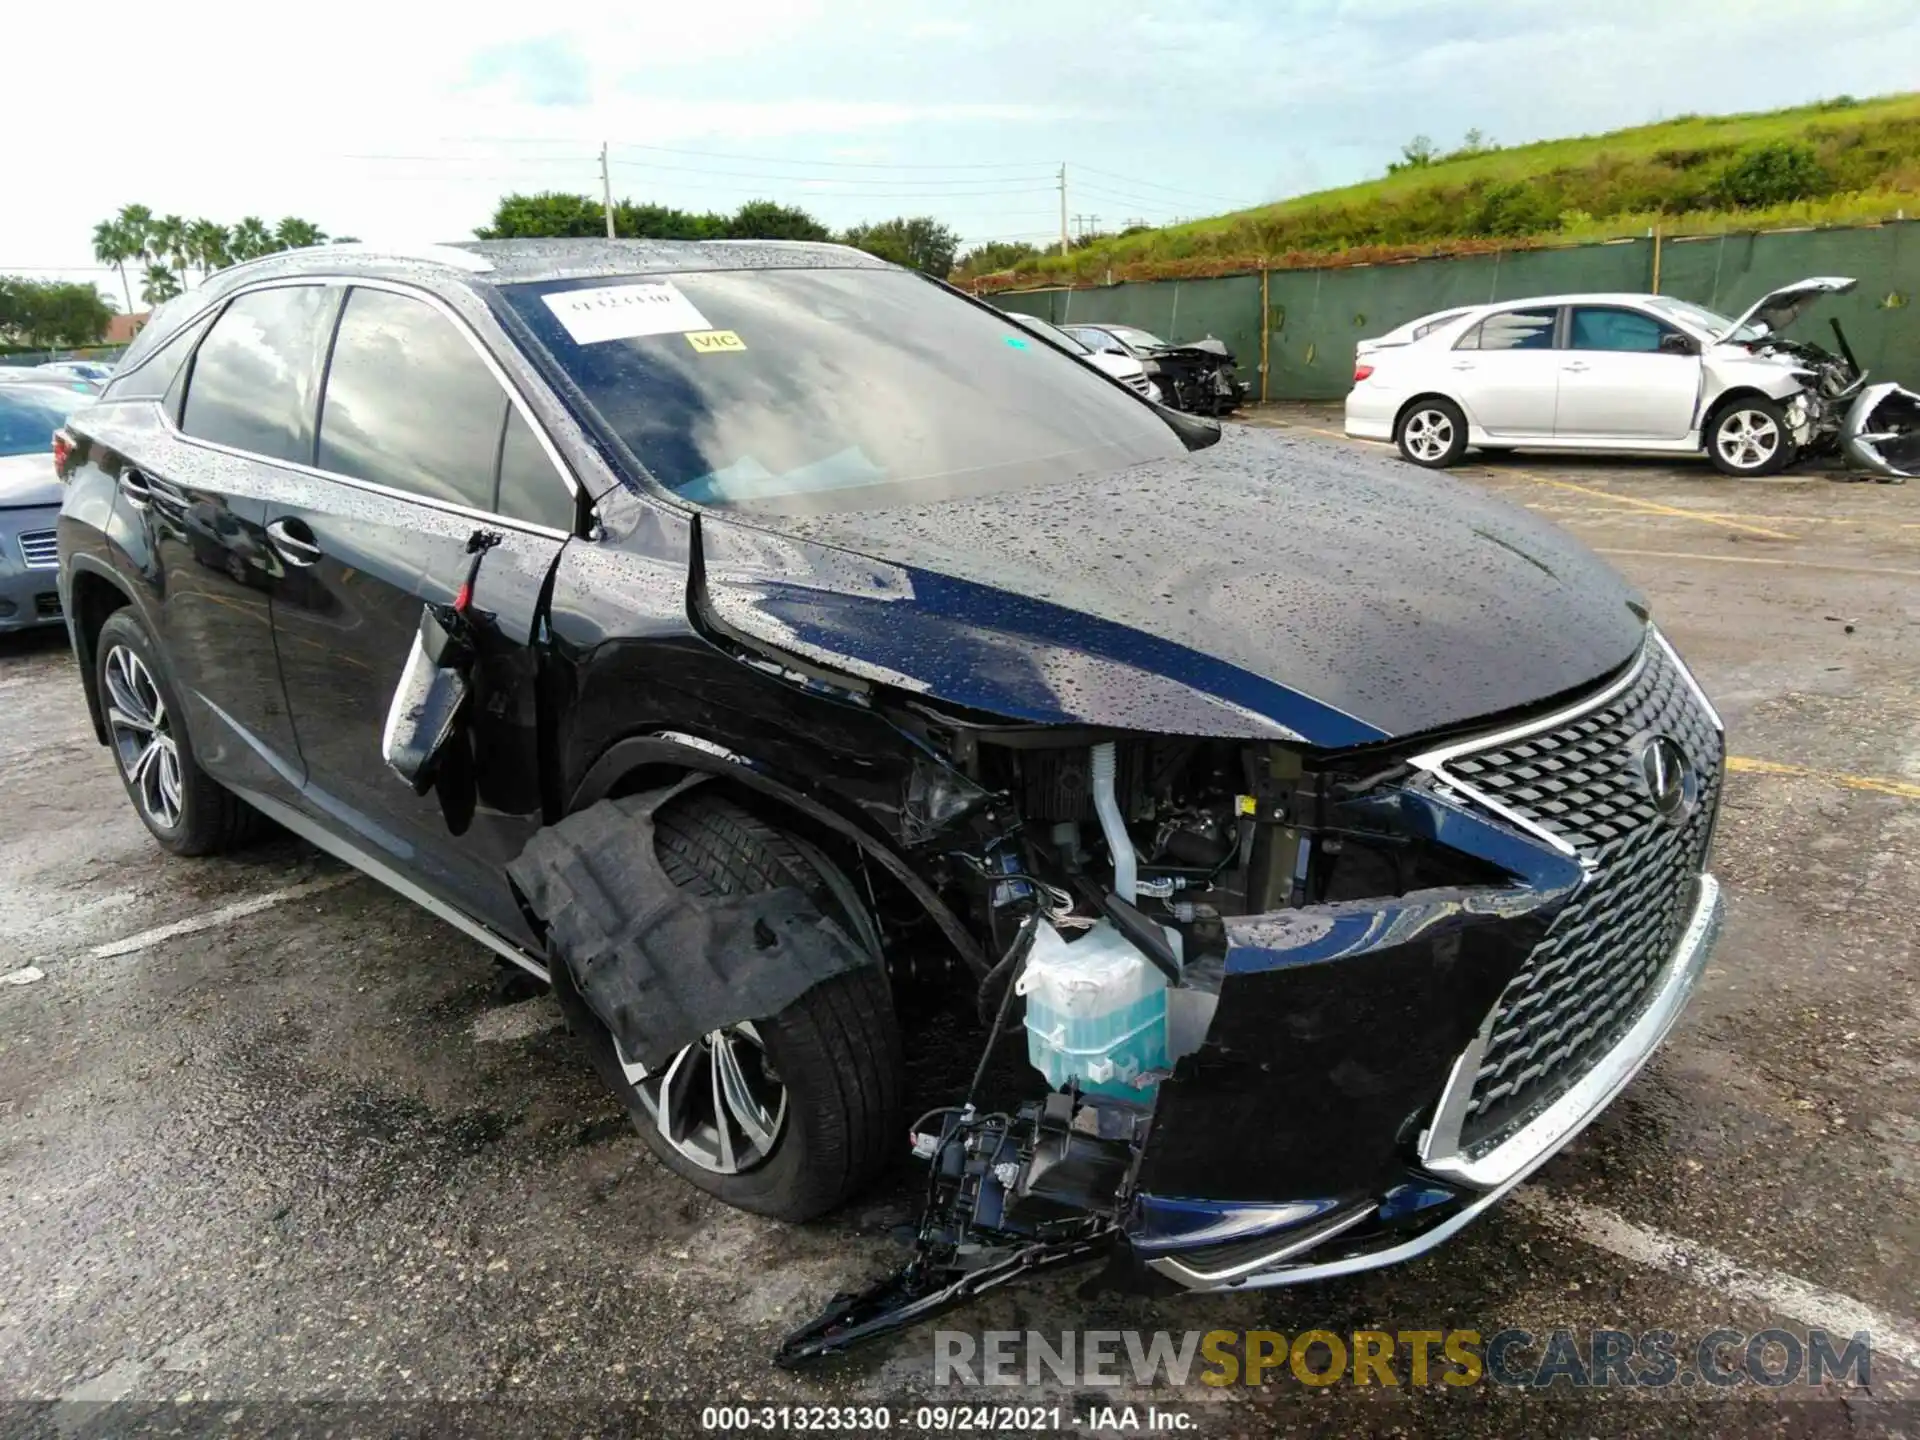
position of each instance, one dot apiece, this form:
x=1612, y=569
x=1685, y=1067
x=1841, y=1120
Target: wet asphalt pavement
x=294, y=1166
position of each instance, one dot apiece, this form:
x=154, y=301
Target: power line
x=1156, y=185
x=976, y=187
x=812, y=162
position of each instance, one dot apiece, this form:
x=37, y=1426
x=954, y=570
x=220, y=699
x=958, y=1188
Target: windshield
x=810, y=390
x=1050, y=332
x=1138, y=339
x=1711, y=322
x=29, y=414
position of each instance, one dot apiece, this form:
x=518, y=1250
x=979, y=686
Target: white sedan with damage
x=1608, y=372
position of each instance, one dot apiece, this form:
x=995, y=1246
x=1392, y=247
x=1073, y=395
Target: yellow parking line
x=1746, y=764
x=1652, y=507
x=1758, y=560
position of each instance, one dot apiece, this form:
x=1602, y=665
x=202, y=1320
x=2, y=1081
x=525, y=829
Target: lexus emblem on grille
x=1670, y=778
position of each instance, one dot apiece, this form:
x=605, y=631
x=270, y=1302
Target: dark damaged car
x=739, y=634
x=1201, y=377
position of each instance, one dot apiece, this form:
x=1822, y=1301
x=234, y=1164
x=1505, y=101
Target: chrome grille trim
x=40, y=549
x=1572, y=780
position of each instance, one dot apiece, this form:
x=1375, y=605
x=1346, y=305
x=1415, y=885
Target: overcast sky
x=380, y=121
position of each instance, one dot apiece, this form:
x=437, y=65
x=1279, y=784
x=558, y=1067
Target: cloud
x=548, y=71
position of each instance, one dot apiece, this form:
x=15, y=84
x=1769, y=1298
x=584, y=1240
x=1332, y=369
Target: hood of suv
x=1780, y=308
x=1263, y=586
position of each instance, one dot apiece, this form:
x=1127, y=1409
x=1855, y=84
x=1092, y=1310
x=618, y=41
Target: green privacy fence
x=1315, y=316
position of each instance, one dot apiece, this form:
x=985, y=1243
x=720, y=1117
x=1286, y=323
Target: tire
x=1749, y=437
x=184, y=808
x=1431, y=433
x=833, y=1055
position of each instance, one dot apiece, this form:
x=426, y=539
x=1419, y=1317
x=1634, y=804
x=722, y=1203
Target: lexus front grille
x=1587, y=780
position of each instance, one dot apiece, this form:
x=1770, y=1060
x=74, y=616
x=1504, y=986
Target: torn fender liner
x=659, y=966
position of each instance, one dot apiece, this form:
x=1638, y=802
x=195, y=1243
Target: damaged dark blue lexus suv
x=725, y=631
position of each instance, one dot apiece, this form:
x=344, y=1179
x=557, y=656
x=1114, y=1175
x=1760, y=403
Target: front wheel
x=1433, y=433
x=1750, y=437
x=786, y=1115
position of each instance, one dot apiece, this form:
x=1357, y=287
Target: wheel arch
x=1415, y=401
x=1733, y=396
x=93, y=594
x=645, y=761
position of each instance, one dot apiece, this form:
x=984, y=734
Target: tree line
x=168, y=247
x=918, y=241
x=50, y=314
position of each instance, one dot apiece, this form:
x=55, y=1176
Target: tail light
x=1361, y=372
x=62, y=451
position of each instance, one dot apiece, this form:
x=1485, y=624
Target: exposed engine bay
x=1108, y=878
x=1829, y=380
x=1198, y=377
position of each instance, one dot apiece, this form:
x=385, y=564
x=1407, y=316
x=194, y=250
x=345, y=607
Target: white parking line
x=1783, y=1294
x=239, y=910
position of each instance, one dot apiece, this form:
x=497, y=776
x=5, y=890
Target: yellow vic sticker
x=714, y=342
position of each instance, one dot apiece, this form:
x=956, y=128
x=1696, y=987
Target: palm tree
x=110, y=248
x=210, y=246
x=294, y=233
x=251, y=239
x=160, y=285
x=169, y=240
x=136, y=228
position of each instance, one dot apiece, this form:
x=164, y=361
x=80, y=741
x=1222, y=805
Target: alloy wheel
x=143, y=740
x=1747, y=439
x=1428, y=434
x=718, y=1102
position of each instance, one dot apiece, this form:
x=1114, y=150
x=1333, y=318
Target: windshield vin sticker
x=714, y=342
x=623, y=312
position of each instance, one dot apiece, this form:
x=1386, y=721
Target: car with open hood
x=1199, y=376
x=1609, y=372
x=743, y=637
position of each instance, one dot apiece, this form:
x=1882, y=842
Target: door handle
x=134, y=487
x=1578, y=367
x=293, y=541
x=1463, y=364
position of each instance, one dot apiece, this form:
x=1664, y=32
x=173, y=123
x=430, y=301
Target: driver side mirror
x=1674, y=343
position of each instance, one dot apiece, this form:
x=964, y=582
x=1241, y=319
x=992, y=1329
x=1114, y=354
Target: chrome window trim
x=514, y=398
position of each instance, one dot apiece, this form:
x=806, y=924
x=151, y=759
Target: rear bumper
x=1369, y=414
x=1447, y=1189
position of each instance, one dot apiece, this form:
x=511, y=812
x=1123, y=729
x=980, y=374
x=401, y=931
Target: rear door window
x=409, y=404
x=1512, y=330
x=254, y=376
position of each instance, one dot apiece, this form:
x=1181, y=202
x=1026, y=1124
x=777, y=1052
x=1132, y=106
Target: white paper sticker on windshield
x=620, y=312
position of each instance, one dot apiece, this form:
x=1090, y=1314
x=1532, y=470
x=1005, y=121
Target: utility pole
x=606, y=188
x=1064, y=246
x=1085, y=225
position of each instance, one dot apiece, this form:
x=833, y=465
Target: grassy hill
x=1841, y=161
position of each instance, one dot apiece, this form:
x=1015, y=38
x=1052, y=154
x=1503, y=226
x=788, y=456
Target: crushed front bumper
x=1449, y=1188
x=1379, y=1071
